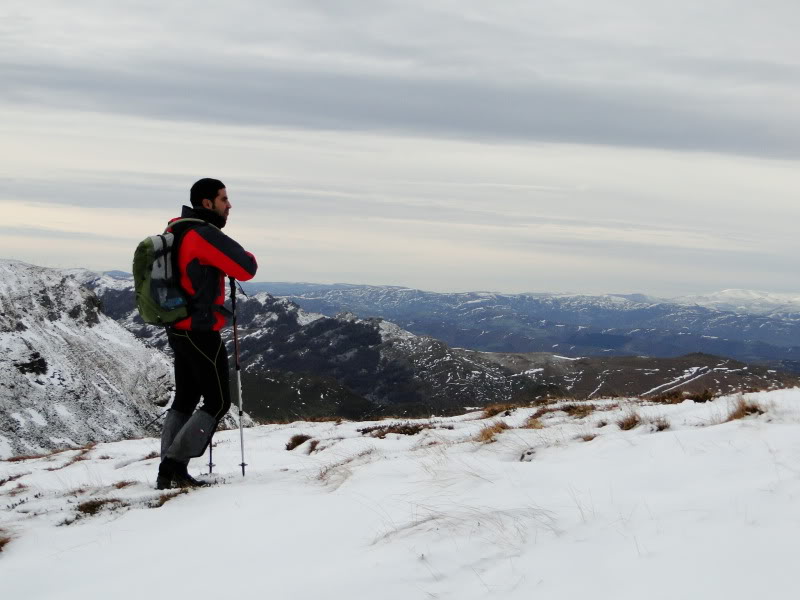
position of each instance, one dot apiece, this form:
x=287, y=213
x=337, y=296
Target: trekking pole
x=238, y=371
x=156, y=419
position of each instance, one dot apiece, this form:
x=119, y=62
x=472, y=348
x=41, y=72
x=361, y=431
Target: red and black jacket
x=205, y=257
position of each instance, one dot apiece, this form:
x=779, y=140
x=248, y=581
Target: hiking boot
x=172, y=473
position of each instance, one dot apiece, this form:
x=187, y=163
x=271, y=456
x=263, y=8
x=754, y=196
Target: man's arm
x=215, y=248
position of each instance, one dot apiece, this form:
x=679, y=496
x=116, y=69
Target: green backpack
x=159, y=296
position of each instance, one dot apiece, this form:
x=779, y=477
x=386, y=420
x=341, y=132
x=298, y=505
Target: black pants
x=201, y=369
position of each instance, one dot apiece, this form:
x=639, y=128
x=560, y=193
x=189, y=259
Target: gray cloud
x=608, y=114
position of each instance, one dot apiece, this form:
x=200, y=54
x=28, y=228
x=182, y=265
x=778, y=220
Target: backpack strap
x=172, y=224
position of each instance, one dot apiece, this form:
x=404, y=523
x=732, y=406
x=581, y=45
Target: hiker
x=205, y=256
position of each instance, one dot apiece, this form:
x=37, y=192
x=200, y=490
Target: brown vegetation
x=381, y=431
x=677, y=396
x=491, y=410
x=587, y=437
x=486, y=435
x=578, y=410
x=92, y=507
x=743, y=408
x=296, y=440
x=123, y=484
x=660, y=424
x=36, y=456
x=166, y=497
x=533, y=423
x=4, y=539
x=18, y=489
x=629, y=421
x=12, y=478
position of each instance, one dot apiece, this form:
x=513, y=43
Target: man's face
x=220, y=205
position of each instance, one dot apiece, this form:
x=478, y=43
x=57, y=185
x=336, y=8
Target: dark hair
x=204, y=188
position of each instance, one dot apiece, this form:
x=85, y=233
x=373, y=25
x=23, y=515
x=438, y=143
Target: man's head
x=211, y=194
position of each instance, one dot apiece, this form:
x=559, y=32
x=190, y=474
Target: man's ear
x=207, y=203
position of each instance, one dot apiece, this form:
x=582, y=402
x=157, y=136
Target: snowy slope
x=68, y=373
x=705, y=509
x=747, y=302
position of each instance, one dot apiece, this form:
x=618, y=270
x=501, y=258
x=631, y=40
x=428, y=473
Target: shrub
x=381, y=431
x=296, y=440
x=742, y=408
x=491, y=410
x=629, y=421
x=487, y=434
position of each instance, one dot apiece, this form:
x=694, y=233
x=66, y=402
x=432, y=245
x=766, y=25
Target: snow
x=68, y=361
x=705, y=509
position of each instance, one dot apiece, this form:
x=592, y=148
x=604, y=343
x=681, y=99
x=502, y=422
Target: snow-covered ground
x=705, y=509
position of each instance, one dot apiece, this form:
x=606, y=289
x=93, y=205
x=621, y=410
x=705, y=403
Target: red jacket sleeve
x=214, y=248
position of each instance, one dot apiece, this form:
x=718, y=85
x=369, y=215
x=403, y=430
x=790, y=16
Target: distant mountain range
x=762, y=329
x=300, y=364
x=73, y=373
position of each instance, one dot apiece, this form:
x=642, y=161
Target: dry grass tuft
x=166, y=497
x=743, y=408
x=123, y=484
x=151, y=456
x=545, y=410
x=381, y=431
x=92, y=507
x=81, y=455
x=578, y=410
x=587, y=437
x=486, y=435
x=18, y=489
x=36, y=456
x=602, y=423
x=629, y=421
x=326, y=471
x=312, y=446
x=677, y=396
x=4, y=539
x=660, y=424
x=296, y=440
x=533, y=423
x=11, y=478
x=491, y=410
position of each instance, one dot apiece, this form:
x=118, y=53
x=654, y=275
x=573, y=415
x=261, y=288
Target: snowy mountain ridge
x=69, y=374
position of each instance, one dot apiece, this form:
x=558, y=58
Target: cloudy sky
x=541, y=145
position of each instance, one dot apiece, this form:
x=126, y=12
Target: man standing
x=205, y=257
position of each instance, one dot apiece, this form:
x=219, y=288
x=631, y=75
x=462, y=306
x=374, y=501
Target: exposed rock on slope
x=69, y=374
